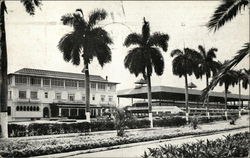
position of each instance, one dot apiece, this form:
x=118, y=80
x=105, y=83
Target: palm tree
x=207, y=66
x=240, y=77
x=87, y=40
x=225, y=12
x=30, y=6
x=146, y=56
x=228, y=79
x=185, y=63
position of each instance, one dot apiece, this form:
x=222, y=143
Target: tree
x=146, y=56
x=240, y=76
x=30, y=6
x=185, y=63
x=225, y=12
x=228, y=79
x=87, y=40
x=207, y=66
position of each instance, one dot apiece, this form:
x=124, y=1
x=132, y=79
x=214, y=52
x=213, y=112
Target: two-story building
x=36, y=94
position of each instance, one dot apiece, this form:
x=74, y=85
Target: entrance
x=46, y=112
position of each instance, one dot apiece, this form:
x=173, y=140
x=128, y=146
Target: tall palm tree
x=207, y=66
x=87, y=40
x=240, y=77
x=30, y=6
x=146, y=56
x=185, y=63
x=228, y=79
x=225, y=12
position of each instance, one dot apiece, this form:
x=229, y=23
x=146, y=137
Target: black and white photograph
x=124, y=79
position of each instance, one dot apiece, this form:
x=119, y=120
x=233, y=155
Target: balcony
x=107, y=103
x=25, y=100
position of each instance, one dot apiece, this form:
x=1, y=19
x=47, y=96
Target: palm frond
x=65, y=46
x=157, y=61
x=211, y=53
x=101, y=35
x=96, y=16
x=159, y=39
x=202, y=50
x=133, y=39
x=76, y=55
x=103, y=53
x=68, y=19
x=30, y=5
x=176, y=52
x=227, y=10
x=135, y=61
x=145, y=31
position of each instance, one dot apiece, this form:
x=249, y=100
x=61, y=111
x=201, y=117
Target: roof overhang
x=174, y=93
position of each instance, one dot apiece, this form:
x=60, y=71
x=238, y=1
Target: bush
x=223, y=148
x=170, y=121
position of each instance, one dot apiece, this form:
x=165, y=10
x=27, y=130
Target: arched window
x=37, y=108
x=34, y=108
x=31, y=108
x=21, y=108
x=24, y=108
x=17, y=108
x=28, y=108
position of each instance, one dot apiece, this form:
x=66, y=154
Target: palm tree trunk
x=226, y=101
x=150, y=101
x=87, y=91
x=239, y=98
x=186, y=97
x=3, y=75
x=207, y=99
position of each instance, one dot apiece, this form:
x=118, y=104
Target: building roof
x=174, y=93
x=58, y=74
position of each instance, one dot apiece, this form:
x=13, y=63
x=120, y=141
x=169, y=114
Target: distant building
x=171, y=100
x=36, y=94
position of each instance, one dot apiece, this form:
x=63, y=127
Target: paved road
x=138, y=150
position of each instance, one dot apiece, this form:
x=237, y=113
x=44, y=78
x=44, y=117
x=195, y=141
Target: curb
x=74, y=153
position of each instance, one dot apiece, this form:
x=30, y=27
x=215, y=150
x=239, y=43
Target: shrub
x=170, y=121
x=223, y=148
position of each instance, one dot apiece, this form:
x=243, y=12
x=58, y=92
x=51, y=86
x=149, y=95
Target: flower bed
x=223, y=148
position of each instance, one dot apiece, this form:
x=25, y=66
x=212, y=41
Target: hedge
x=36, y=129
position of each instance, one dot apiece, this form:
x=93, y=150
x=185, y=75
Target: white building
x=36, y=94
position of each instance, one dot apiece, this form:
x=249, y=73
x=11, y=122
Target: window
x=57, y=82
x=71, y=97
x=93, y=97
x=111, y=87
x=9, y=80
x=17, y=108
x=83, y=98
x=82, y=84
x=45, y=94
x=101, y=86
x=110, y=98
x=93, y=86
x=46, y=82
x=70, y=83
x=21, y=80
x=9, y=110
x=102, y=98
x=58, y=96
x=33, y=95
x=9, y=95
x=35, y=81
x=22, y=94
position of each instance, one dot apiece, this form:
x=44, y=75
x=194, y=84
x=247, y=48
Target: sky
x=32, y=40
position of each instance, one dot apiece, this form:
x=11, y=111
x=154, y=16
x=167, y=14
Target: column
x=60, y=112
x=77, y=111
x=41, y=82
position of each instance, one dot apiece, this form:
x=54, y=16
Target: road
x=138, y=150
